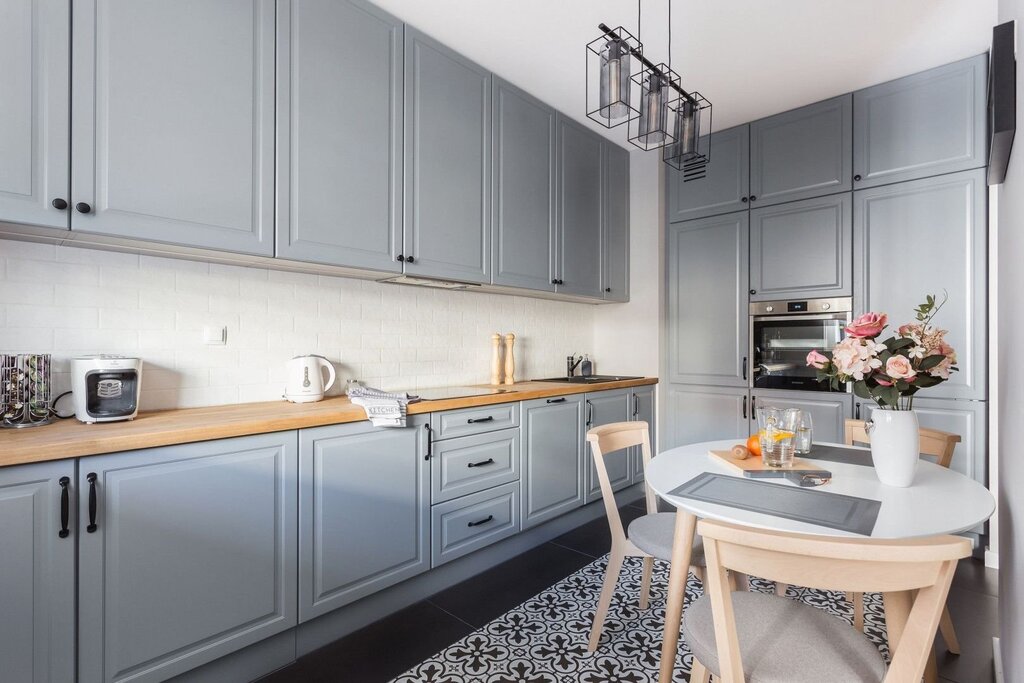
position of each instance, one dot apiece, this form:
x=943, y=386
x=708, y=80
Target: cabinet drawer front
x=461, y=526
x=468, y=421
x=474, y=463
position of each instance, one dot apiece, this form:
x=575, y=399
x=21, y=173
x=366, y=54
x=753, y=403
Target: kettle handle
x=331, y=375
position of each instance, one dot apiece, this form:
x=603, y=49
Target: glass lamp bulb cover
x=614, y=92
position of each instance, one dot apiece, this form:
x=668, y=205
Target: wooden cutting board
x=755, y=463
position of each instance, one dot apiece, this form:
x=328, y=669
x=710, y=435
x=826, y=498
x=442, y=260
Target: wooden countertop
x=70, y=438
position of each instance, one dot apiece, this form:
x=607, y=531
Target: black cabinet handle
x=744, y=407
x=753, y=197
x=82, y=207
x=856, y=412
x=744, y=367
x=430, y=442
x=489, y=418
x=554, y=280
x=410, y=259
x=590, y=412
x=556, y=400
x=482, y=521
x=91, y=478
x=743, y=199
x=636, y=405
x=488, y=461
x=857, y=177
x=753, y=291
x=400, y=257
x=60, y=205
x=753, y=405
x=608, y=289
x=65, y=506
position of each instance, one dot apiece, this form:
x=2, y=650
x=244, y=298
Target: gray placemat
x=832, y=510
x=841, y=454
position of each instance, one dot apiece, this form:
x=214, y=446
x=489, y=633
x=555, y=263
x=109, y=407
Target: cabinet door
x=447, y=162
x=35, y=49
x=923, y=237
x=726, y=186
x=364, y=511
x=606, y=407
x=580, y=208
x=644, y=409
x=339, y=142
x=616, y=224
x=192, y=556
x=806, y=152
x=708, y=279
x=174, y=141
x=692, y=414
x=552, y=451
x=921, y=125
x=523, y=196
x=37, y=573
x=802, y=249
x=829, y=411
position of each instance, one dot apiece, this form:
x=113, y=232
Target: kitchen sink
x=592, y=379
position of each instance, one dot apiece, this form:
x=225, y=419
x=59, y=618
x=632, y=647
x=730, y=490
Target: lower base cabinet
x=460, y=526
x=829, y=411
x=186, y=554
x=552, y=452
x=364, y=511
x=603, y=408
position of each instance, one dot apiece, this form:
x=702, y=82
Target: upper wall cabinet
x=801, y=153
x=580, y=185
x=447, y=162
x=34, y=109
x=726, y=186
x=523, y=182
x=615, y=272
x=921, y=125
x=339, y=142
x=173, y=122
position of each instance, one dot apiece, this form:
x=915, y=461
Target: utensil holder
x=25, y=390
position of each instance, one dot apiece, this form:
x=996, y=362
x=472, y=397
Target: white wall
x=69, y=301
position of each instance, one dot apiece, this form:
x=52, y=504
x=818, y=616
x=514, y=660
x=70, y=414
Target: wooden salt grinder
x=510, y=359
x=495, y=358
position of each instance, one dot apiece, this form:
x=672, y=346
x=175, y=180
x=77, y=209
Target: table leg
x=682, y=546
x=897, y=611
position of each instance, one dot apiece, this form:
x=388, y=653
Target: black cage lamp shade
x=655, y=126
x=612, y=95
x=690, y=149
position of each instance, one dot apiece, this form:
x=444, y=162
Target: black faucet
x=570, y=365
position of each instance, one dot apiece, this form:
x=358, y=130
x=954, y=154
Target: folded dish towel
x=383, y=408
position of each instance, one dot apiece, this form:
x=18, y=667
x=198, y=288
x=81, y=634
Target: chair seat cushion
x=785, y=641
x=653, y=534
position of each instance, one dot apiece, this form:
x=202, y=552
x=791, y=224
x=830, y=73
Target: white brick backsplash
x=392, y=336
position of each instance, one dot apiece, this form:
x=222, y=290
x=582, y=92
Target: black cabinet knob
x=753, y=291
x=399, y=258
x=82, y=207
x=857, y=177
x=608, y=289
x=743, y=199
x=554, y=280
x=753, y=197
x=59, y=204
x=409, y=259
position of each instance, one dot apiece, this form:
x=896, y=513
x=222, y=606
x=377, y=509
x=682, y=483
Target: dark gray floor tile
x=973, y=575
x=594, y=539
x=976, y=619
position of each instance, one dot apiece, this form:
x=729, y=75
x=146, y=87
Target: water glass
x=804, y=432
x=777, y=432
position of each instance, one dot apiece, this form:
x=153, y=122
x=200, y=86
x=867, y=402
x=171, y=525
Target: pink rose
x=817, y=360
x=868, y=326
x=899, y=367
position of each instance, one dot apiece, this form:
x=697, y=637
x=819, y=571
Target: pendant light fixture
x=655, y=126
x=611, y=59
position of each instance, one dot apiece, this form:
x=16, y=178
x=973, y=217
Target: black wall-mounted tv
x=1002, y=100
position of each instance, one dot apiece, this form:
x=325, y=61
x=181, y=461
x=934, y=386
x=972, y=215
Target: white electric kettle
x=306, y=382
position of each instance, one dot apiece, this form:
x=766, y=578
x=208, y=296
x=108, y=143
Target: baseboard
x=991, y=559
x=997, y=660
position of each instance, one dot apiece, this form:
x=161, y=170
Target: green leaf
x=861, y=389
x=897, y=343
x=929, y=362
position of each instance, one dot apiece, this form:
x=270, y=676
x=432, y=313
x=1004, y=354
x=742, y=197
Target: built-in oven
x=782, y=333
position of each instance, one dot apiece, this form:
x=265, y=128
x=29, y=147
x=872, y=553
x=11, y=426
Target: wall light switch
x=215, y=335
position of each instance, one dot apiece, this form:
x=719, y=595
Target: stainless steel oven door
x=779, y=345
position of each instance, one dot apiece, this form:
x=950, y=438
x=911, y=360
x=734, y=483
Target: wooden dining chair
x=762, y=637
x=648, y=537
x=934, y=443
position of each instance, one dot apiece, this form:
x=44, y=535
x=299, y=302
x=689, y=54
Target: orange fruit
x=754, y=445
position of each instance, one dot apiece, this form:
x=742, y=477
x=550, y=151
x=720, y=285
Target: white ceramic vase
x=895, y=446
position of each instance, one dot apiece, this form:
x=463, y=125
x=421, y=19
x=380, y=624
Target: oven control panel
x=802, y=307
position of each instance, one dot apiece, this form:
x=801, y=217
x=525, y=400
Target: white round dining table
x=940, y=501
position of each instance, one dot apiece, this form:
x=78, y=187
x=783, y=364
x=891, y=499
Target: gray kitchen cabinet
x=615, y=241
x=708, y=279
x=829, y=410
x=462, y=525
x=726, y=186
x=606, y=407
x=37, y=573
x=691, y=414
x=473, y=463
x=925, y=237
x=921, y=125
x=174, y=143
x=644, y=409
x=477, y=420
x=802, y=249
x=339, y=155
x=802, y=153
x=523, y=189
x=35, y=50
x=580, y=189
x=552, y=450
x=192, y=555
x=364, y=511
x=447, y=162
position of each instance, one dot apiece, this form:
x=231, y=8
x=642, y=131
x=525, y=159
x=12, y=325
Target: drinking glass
x=804, y=432
x=776, y=432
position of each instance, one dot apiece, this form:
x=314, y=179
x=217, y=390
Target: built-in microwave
x=782, y=333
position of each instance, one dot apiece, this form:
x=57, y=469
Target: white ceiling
x=751, y=58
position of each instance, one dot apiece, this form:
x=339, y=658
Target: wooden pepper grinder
x=495, y=358
x=510, y=359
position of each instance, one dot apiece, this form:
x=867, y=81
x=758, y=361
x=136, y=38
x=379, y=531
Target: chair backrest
x=842, y=564
x=608, y=439
x=934, y=442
